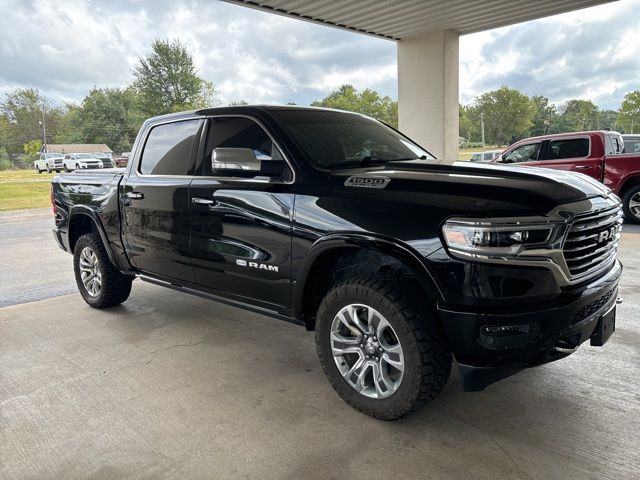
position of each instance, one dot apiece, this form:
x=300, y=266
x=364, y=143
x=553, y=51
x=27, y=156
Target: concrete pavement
x=173, y=386
x=32, y=267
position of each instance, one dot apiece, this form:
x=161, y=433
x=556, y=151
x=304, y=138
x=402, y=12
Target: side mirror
x=242, y=162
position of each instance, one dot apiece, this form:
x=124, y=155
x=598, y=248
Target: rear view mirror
x=242, y=162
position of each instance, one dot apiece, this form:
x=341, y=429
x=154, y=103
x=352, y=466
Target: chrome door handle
x=134, y=195
x=582, y=167
x=203, y=201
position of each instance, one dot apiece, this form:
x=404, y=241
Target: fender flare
x=85, y=211
x=388, y=246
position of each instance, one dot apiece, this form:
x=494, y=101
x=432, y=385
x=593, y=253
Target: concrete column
x=428, y=92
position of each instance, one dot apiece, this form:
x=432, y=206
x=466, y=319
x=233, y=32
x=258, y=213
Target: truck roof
x=241, y=109
x=569, y=134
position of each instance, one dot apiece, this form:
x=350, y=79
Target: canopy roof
x=398, y=19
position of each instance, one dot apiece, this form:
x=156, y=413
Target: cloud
x=65, y=47
x=592, y=54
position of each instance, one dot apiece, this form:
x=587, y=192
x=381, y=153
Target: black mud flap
x=476, y=379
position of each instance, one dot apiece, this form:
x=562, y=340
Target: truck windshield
x=339, y=139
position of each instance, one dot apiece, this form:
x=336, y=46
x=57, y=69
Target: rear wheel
x=382, y=354
x=99, y=281
x=631, y=204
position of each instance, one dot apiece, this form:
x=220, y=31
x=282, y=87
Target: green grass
x=21, y=189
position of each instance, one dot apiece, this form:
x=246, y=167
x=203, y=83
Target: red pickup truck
x=599, y=154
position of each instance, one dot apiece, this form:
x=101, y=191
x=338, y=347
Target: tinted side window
x=239, y=132
x=168, y=149
x=632, y=145
x=525, y=153
x=569, y=148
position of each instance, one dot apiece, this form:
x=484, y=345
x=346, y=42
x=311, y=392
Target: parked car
x=106, y=159
x=599, y=154
x=78, y=161
x=631, y=143
x=48, y=162
x=337, y=222
x=485, y=156
x=122, y=161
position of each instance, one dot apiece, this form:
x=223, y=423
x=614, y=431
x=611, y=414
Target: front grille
x=592, y=242
x=593, y=307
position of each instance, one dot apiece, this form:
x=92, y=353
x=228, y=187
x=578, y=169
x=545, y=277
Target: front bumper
x=496, y=343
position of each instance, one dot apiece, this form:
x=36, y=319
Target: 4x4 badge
x=367, y=182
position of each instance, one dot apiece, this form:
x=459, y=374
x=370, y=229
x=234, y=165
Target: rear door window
x=632, y=145
x=567, y=148
x=525, y=153
x=169, y=149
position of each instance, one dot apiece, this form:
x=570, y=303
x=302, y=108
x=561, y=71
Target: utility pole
x=482, y=128
x=44, y=132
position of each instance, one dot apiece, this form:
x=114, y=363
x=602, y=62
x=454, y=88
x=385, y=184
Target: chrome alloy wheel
x=90, y=272
x=634, y=205
x=367, y=351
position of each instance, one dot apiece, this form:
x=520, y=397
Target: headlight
x=483, y=238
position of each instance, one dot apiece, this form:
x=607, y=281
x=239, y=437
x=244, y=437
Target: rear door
x=155, y=201
x=241, y=227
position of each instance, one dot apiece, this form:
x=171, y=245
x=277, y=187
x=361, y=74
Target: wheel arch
x=628, y=183
x=83, y=220
x=340, y=255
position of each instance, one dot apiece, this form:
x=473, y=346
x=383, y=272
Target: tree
x=368, y=102
x=107, y=115
x=468, y=128
x=508, y=115
x=578, y=115
x=22, y=110
x=629, y=114
x=167, y=80
x=32, y=149
x=545, y=116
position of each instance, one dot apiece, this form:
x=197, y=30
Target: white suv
x=80, y=161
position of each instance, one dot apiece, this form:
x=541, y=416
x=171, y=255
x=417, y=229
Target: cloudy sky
x=65, y=47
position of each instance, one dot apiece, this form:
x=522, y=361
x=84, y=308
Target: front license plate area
x=606, y=326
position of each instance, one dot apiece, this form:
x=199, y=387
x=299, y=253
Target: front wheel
x=382, y=352
x=38, y=171
x=99, y=282
x=66, y=170
x=631, y=204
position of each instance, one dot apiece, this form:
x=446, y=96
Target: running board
x=219, y=299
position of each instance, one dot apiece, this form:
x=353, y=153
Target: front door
x=156, y=204
x=241, y=226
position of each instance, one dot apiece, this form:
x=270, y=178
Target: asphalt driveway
x=173, y=386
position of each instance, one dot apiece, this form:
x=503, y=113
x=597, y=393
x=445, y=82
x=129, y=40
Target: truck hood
x=470, y=189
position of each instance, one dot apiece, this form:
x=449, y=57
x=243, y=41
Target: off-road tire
x=427, y=356
x=628, y=214
x=115, y=287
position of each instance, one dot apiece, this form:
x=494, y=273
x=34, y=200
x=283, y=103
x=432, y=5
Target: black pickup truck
x=342, y=224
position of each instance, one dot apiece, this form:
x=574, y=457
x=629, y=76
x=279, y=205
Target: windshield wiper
x=370, y=160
